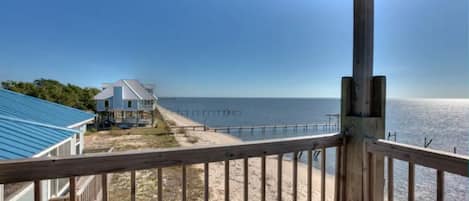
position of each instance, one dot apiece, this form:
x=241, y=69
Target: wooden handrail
x=439, y=160
x=92, y=164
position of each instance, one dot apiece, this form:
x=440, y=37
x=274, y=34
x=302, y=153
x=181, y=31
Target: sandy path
x=216, y=172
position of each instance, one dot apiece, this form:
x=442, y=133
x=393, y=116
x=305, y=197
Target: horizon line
x=268, y=97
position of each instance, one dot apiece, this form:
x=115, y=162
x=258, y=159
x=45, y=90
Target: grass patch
x=159, y=136
x=147, y=185
x=140, y=131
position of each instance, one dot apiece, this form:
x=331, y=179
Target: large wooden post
x=363, y=112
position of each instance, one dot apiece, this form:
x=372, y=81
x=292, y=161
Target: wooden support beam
x=362, y=57
x=363, y=107
x=357, y=129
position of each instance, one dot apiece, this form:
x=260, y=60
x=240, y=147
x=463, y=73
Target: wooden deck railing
x=439, y=160
x=103, y=163
x=89, y=189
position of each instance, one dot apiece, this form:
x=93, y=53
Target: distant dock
x=328, y=127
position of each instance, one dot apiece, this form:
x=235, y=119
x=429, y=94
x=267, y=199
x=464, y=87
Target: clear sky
x=241, y=48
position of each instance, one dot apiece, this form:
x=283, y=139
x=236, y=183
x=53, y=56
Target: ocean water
x=443, y=121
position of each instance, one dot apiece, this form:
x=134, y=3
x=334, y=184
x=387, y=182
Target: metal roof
x=29, y=108
x=25, y=139
x=131, y=90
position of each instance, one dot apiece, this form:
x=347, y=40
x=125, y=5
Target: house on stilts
x=126, y=103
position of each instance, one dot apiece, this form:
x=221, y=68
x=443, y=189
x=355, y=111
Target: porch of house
x=126, y=119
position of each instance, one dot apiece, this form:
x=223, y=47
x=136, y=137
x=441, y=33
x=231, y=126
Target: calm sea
x=444, y=122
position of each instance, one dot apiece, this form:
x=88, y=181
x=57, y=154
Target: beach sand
x=216, y=170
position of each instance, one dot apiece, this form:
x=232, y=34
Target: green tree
x=54, y=91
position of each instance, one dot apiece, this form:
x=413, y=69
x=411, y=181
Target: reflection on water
x=445, y=121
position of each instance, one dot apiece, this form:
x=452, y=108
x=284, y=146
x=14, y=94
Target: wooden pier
x=274, y=127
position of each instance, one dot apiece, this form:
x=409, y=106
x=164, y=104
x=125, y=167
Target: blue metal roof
x=24, y=139
x=29, y=108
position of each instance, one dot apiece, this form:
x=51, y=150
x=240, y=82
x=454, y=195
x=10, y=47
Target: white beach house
x=126, y=102
x=31, y=128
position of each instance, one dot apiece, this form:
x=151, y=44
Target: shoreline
x=216, y=169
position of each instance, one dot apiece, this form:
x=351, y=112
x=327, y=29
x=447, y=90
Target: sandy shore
x=216, y=179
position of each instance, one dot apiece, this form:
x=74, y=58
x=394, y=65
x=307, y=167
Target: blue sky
x=236, y=48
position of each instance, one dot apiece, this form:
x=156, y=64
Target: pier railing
x=263, y=128
x=440, y=161
x=38, y=169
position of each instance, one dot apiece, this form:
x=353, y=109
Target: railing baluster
x=263, y=178
x=295, y=176
x=246, y=179
x=411, y=184
x=279, y=177
x=132, y=185
x=390, y=179
x=371, y=176
x=343, y=168
x=323, y=174
x=206, y=180
x=104, y=186
x=440, y=185
x=160, y=184
x=338, y=164
x=72, y=189
x=310, y=175
x=227, y=180
x=37, y=190
x=184, y=183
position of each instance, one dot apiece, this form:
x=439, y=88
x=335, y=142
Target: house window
x=129, y=104
x=106, y=103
